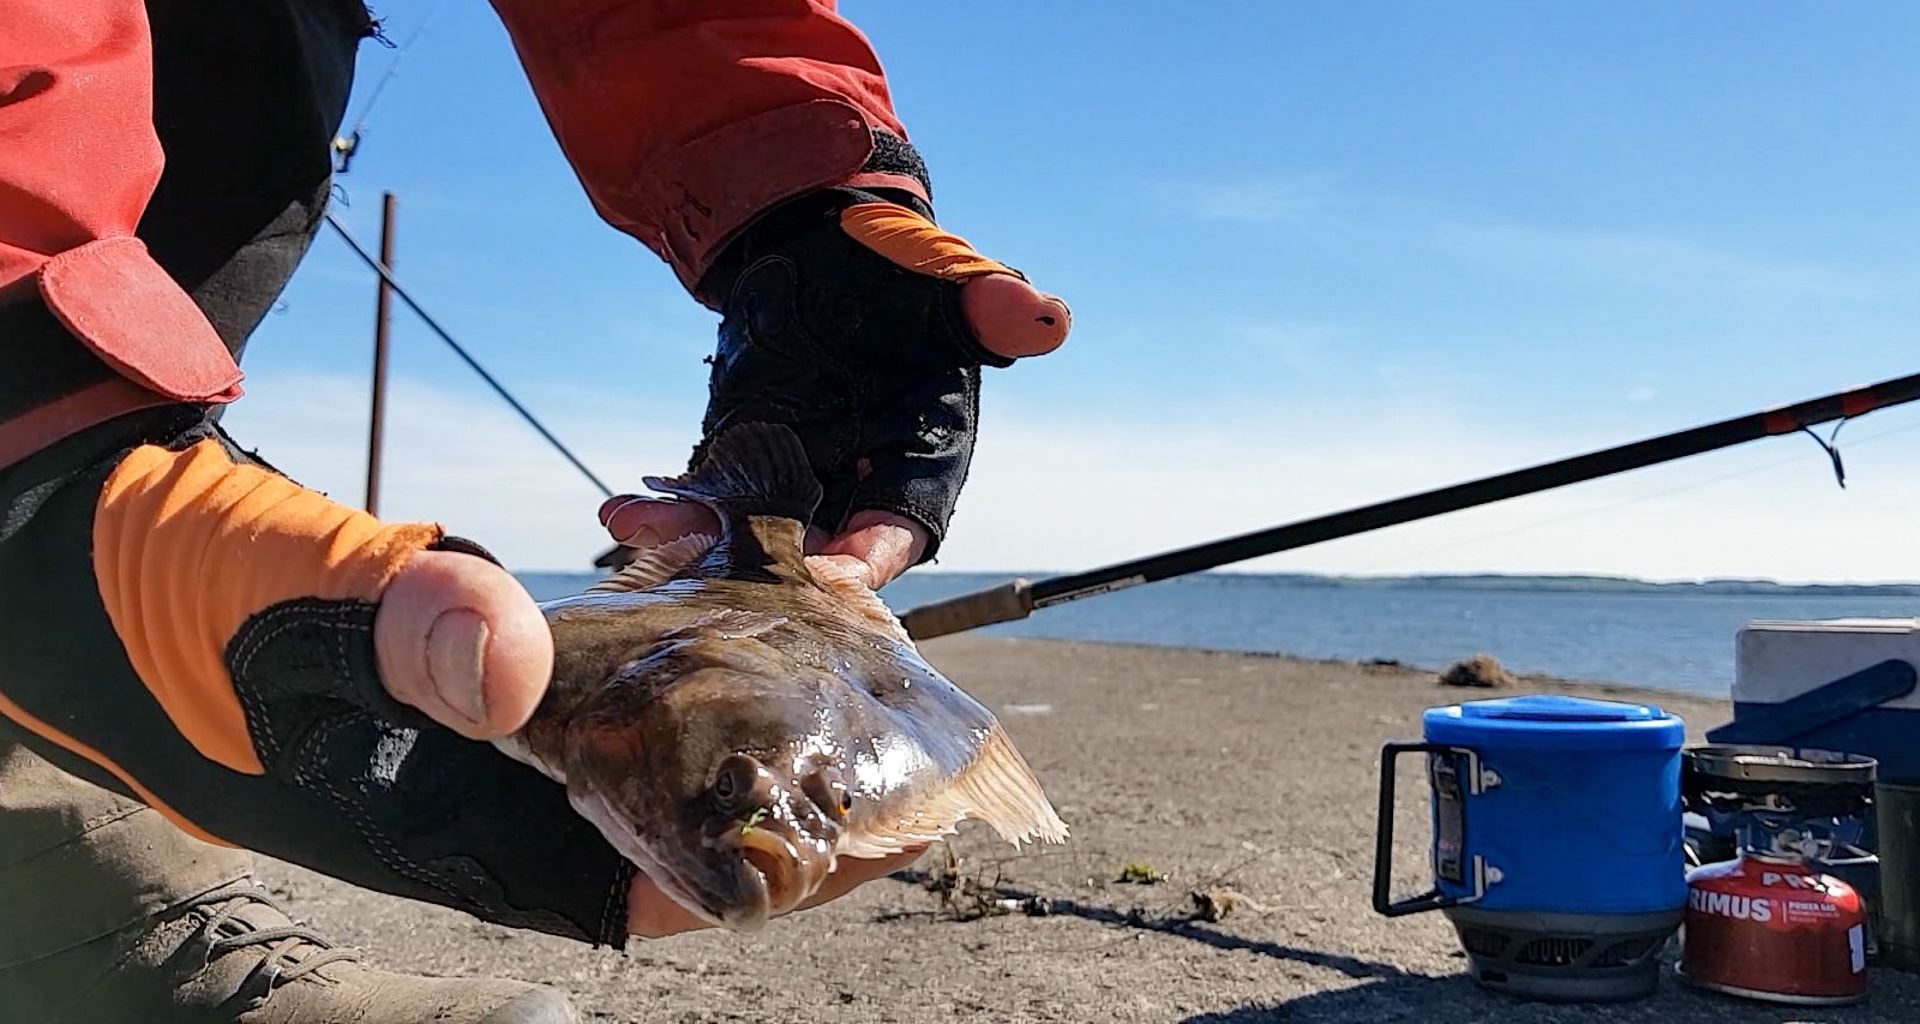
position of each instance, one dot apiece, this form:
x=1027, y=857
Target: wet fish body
x=733, y=715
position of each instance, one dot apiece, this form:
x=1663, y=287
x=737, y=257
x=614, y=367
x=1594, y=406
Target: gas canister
x=1775, y=929
x=1776, y=923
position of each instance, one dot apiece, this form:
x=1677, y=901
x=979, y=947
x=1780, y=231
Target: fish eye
x=828, y=792
x=734, y=781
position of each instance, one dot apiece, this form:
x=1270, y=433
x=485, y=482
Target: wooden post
x=380, y=316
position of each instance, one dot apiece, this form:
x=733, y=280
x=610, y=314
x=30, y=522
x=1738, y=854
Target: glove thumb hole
x=916, y=492
x=1011, y=318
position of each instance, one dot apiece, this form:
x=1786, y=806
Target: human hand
x=850, y=317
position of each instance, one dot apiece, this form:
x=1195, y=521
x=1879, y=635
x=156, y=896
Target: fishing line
x=1826, y=445
x=1693, y=485
x=379, y=268
x=349, y=144
x=345, y=146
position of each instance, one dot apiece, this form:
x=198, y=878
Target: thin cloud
x=1265, y=200
x=1320, y=201
x=1648, y=259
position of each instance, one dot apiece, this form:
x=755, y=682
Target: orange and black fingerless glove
x=183, y=624
x=846, y=315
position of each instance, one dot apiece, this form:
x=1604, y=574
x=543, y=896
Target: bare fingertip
x=612, y=506
x=1012, y=318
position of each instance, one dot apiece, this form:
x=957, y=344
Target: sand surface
x=1251, y=773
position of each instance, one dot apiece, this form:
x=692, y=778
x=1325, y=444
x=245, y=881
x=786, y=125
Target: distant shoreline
x=1587, y=584
x=1467, y=581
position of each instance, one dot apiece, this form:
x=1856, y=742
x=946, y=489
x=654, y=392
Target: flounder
x=733, y=715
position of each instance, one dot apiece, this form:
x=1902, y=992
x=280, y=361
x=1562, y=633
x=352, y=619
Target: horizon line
x=1035, y=574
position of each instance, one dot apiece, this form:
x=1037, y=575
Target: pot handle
x=1472, y=781
x=1852, y=857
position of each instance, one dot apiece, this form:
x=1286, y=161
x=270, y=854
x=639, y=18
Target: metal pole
x=381, y=308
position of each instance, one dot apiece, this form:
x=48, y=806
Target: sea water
x=1669, y=638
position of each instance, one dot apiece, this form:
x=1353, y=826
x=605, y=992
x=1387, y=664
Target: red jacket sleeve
x=684, y=119
x=79, y=160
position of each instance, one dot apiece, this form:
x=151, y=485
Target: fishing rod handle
x=1004, y=603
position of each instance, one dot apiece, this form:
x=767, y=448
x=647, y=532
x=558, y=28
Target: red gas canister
x=1774, y=929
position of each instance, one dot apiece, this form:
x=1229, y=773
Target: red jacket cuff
x=819, y=144
x=686, y=120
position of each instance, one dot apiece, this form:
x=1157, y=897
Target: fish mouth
x=751, y=903
x=789, y=867
x=731, y=894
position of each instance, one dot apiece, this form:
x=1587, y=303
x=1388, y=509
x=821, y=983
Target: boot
x=113, y=915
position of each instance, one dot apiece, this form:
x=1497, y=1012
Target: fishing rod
x=1020, y=598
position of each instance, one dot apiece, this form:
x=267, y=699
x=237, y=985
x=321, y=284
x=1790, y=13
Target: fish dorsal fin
x=846, y=584
x=753, y=469
x=656, y=565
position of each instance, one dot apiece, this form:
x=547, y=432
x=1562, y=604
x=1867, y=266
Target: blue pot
x=1554, y=804
x=1558, y=839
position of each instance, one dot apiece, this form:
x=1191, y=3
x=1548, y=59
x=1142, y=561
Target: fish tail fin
x=752, y=469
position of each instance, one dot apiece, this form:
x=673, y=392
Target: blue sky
x=1318, y=255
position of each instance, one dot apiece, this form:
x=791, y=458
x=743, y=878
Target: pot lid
x=1553, y=707
x=1547, y=721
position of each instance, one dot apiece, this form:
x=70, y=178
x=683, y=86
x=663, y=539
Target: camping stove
x=1724, y=786
x=1775, y=923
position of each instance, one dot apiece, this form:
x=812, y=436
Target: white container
x=1823, y=684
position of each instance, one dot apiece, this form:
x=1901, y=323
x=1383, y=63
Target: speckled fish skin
x=733, y=715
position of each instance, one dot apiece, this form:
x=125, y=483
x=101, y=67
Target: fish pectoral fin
x=997, y=787
x=656, y=565
x=846, y=584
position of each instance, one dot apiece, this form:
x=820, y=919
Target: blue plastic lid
x=1552, y=707
x=1555, y=721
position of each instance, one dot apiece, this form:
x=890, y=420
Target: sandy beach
x=1219, y=771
